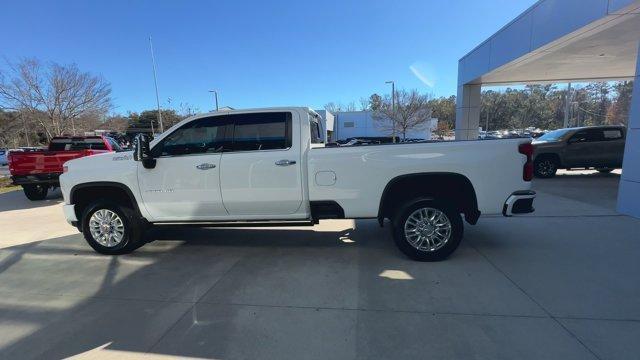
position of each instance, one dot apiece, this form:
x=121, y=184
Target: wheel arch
x=447, y=186
x=83, y=194
x=549, y=155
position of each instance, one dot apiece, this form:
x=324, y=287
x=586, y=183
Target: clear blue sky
x=260, y=53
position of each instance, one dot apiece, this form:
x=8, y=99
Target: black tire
x=35, y=192
x=437, y=254
x=604, y=170
x=545, y=167
x=133, y=228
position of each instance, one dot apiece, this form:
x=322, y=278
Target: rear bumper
x=520, y=202
x=51, y=179
x=70, y=214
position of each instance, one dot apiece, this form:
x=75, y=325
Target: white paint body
x=247, y=185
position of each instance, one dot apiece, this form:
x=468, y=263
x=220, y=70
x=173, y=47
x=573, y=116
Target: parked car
x=3, y=157
x=599, y=147
x=270, y=167
x=37, y=170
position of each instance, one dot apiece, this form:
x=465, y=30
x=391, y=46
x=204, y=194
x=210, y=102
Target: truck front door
x=261, y=174
x=185, y=183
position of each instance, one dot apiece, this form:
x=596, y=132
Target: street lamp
x=215, y=93
x=393, y=107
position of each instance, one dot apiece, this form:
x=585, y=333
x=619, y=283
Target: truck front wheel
x=427, y=230
x=110, y=228
x=35, y=192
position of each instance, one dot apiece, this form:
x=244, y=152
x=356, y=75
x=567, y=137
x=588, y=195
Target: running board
x=260, y=223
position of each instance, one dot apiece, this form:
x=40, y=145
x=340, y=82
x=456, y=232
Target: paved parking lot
x=4, y=171
x=562, y=283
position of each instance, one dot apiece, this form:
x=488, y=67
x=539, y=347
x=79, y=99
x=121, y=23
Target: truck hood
x=100, y=160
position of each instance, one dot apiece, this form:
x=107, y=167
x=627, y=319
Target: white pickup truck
x=271, y=167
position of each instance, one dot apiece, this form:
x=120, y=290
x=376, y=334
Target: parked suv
x=599, y=147
x=3, y=157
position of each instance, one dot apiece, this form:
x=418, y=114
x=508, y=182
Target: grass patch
x=6, y=186
x=6, y=189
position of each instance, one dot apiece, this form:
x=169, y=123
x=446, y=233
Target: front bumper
x=70, y=214
x=519, y=202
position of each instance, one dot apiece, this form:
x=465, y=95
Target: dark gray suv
x=599, y=147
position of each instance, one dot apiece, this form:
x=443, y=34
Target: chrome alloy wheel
x=106, y=228
x=427, y=229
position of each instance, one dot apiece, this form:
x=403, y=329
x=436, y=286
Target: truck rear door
x=261, y=172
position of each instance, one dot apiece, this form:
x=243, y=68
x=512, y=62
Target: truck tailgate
x=41, y=162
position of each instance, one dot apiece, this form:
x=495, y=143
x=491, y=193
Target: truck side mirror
x=142, y=151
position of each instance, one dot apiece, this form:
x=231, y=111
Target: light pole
x=567, y=101
x=215, y=94
x=393, y=107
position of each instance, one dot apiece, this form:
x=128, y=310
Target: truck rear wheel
x=427, y=230
x=35, y=192
x=110, y=228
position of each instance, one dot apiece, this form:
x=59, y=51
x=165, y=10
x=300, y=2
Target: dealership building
x=366, y=124
x=556, y=41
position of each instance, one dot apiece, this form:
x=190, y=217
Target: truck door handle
x=285, y=162
x=205, y=166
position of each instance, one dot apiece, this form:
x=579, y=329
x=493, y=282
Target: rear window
x=613, y=134
x=261, y=131
x=77, y=144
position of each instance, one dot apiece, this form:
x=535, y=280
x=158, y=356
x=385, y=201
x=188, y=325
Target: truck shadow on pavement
x=16, y=200
x=73, y=300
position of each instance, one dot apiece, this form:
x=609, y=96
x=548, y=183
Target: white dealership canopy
x=561, y=41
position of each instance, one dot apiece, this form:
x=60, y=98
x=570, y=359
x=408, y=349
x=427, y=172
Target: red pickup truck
x=38, y=170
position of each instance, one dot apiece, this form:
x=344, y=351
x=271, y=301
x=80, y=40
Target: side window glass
x=200, y=136
x=613, y=134
x=587, y=136
x=261, y=131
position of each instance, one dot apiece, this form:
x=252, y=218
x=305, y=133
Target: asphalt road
x=558, y=284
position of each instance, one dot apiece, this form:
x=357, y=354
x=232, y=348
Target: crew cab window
x=261, y=131
x=590, y=135
x=200, y=136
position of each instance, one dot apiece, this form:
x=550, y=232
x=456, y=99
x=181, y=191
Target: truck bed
x=355, y=176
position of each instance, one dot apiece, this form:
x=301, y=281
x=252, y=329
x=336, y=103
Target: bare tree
x=63, y=93
x=339, y=107
x=410, y=112
x=365, y=104
x=187, y=110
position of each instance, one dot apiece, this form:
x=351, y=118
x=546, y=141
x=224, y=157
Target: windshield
x=555, y=135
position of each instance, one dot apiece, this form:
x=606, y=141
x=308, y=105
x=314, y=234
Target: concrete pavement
x=558, y=284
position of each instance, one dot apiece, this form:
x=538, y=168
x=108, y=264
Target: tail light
x=527, y=170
